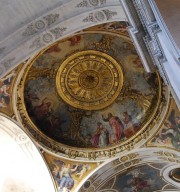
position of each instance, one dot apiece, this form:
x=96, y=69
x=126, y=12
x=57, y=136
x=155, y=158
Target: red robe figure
x=116, y=125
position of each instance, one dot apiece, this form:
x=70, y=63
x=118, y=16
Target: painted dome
x=89, y=92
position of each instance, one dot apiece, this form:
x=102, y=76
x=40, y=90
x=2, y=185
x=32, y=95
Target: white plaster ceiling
x=15, y=14
x=28, y=26
x=22, y=166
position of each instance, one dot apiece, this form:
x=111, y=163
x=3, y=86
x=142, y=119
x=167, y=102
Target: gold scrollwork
x=89, y=80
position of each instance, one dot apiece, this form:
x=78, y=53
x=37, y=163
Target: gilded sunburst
x=89, y=80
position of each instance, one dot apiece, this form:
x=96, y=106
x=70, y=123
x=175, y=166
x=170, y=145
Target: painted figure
x=137, y=62
x=104, y=138
x=4, y=89
x=4, y=95
x=173, y=133
x=129, y=128
x=82, y=169
x=97, y=134
x=138, y=184
x=142, y=179
x=2, y=103
x=117, y=126
x=43, y=109
x=67, y=181
x=170, y=133
x=63, y=174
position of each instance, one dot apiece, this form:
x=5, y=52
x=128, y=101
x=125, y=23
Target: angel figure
x=82, y=169
x=172, y=130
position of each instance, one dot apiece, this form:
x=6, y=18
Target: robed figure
x=116, y=125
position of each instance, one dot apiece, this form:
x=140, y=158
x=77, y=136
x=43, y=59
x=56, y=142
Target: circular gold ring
x=89, y=80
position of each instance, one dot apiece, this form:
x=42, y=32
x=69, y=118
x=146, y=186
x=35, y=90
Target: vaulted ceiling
x=80, y=92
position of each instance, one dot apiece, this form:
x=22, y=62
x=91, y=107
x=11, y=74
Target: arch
x=22, y=166
x=54, y=25
x=133, y=164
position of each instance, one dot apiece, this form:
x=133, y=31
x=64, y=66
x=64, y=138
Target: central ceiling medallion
x=89, y=80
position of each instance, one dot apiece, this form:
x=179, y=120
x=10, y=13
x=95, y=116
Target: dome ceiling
x=89, y=92
x=85, y=100
x=145, y=170
x=20, y=159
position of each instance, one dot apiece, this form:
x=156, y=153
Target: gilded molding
x=154, y=157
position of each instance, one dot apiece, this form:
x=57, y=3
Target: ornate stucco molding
x=165, y=158
x=40, y=24
x=89, y=3
x=153, y=41
x=136, y=32
x=54, y=25
x=87, y=154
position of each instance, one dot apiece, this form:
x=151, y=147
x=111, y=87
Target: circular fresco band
x=75, y=131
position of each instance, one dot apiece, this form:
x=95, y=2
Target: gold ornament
x=89, y=80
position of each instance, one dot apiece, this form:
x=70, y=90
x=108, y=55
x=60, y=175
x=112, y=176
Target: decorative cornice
x=144, y=31
x=151, y=29
x=154, y=42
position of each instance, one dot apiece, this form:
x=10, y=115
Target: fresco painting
x=144, y=178
x=90, y=128
x=6, y=86
x=117, y=27
x=169, y=134
x=68, y=174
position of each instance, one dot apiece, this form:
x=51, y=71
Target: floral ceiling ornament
x=100, y=16
x=58, y=31
x=48, y=37
x=40, y=24
x=37, y=43
x=89, y=3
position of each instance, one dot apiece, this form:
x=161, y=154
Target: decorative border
x=21, y=138
x=54, y=25
x=149, y=31
x=40, y=24
x=133, y=159
x=109, y=61
x=91, y=3
x=89, y=154
x=149, y=142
